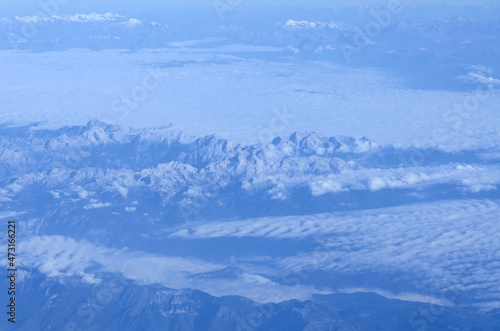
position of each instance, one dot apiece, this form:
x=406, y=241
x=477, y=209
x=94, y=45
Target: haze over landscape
x=238, y=165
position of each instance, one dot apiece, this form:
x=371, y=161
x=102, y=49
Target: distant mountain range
x=110, y=161
x=314, y=32
x=65, y=303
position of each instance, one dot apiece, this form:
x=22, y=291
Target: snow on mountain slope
x=76, y=177
x=122, y=228
x=101, y=156
x=159, y=207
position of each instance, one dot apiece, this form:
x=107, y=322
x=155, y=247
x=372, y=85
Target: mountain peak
x=95, y=123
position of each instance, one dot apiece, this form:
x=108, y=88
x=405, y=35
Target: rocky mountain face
x=123, y=188
x=65, y=303
x=76, y=172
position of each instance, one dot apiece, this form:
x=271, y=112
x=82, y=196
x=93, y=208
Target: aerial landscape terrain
x=250, y=166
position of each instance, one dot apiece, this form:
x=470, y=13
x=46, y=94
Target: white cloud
x=62, y=256
x=300, y=24
x=97, y=205
x=366, y=102
x=15, y=188
x=82, y=193
x=475, y=78
x=467, y=177
x=122, y=190
x=57, y=255
x=479, y=75
x=132, y=22
x=329, y=223
x=432, y=247
x=9, y=214
x=78, y=18
x=306, y=25
x=413, y=297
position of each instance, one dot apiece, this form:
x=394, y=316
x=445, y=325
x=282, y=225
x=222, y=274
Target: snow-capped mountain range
x=100, y=157
x=91, y=196
x=237, y=215
x=331, y=30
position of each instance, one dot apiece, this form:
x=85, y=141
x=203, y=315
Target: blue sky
x=30, y=7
